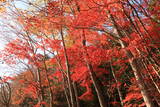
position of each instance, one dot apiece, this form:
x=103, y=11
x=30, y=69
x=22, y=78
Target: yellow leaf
x=2, y=9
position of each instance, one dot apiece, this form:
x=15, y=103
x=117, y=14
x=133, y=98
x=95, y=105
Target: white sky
x=5, y=34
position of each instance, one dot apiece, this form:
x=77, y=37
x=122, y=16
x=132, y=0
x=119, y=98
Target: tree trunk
x=141, y=84
x=92, y=74
x=118, y=89
x=134, y=65
x=49, y=84
x=64, y=76
x=41, y=93
x=68, y=71
x=76, y=94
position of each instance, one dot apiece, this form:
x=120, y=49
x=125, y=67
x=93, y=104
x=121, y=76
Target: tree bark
x=68, y=70
x=49, y=85
x=118, y=89
x=41, y=93
x=93, y=75
x=76, y=94
x=134, y=65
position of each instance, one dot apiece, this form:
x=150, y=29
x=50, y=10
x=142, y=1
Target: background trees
x=88, y=53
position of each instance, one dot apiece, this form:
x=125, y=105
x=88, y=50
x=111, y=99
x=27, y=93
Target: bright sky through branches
x=7, y=34
x=6, y=20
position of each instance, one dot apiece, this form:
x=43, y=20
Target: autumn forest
x=81, y=53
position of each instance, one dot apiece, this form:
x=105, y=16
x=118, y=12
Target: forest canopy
x=81, y=53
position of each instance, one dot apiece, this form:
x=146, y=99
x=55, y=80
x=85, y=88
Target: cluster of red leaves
x=92, y=17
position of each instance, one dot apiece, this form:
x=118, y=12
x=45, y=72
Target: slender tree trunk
x=64, y=83
x=154, y=82
x=41, y=93
x=68, y=70
x=155, y=66
x=118, y=89
x=97, y=87
x=64, y=76
x=143, y=88
x=92, y=74
x=154, y=87
x=76, y=94
x=66, y=92
x=134, y=65
x=49, y=85
x=46, y=74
